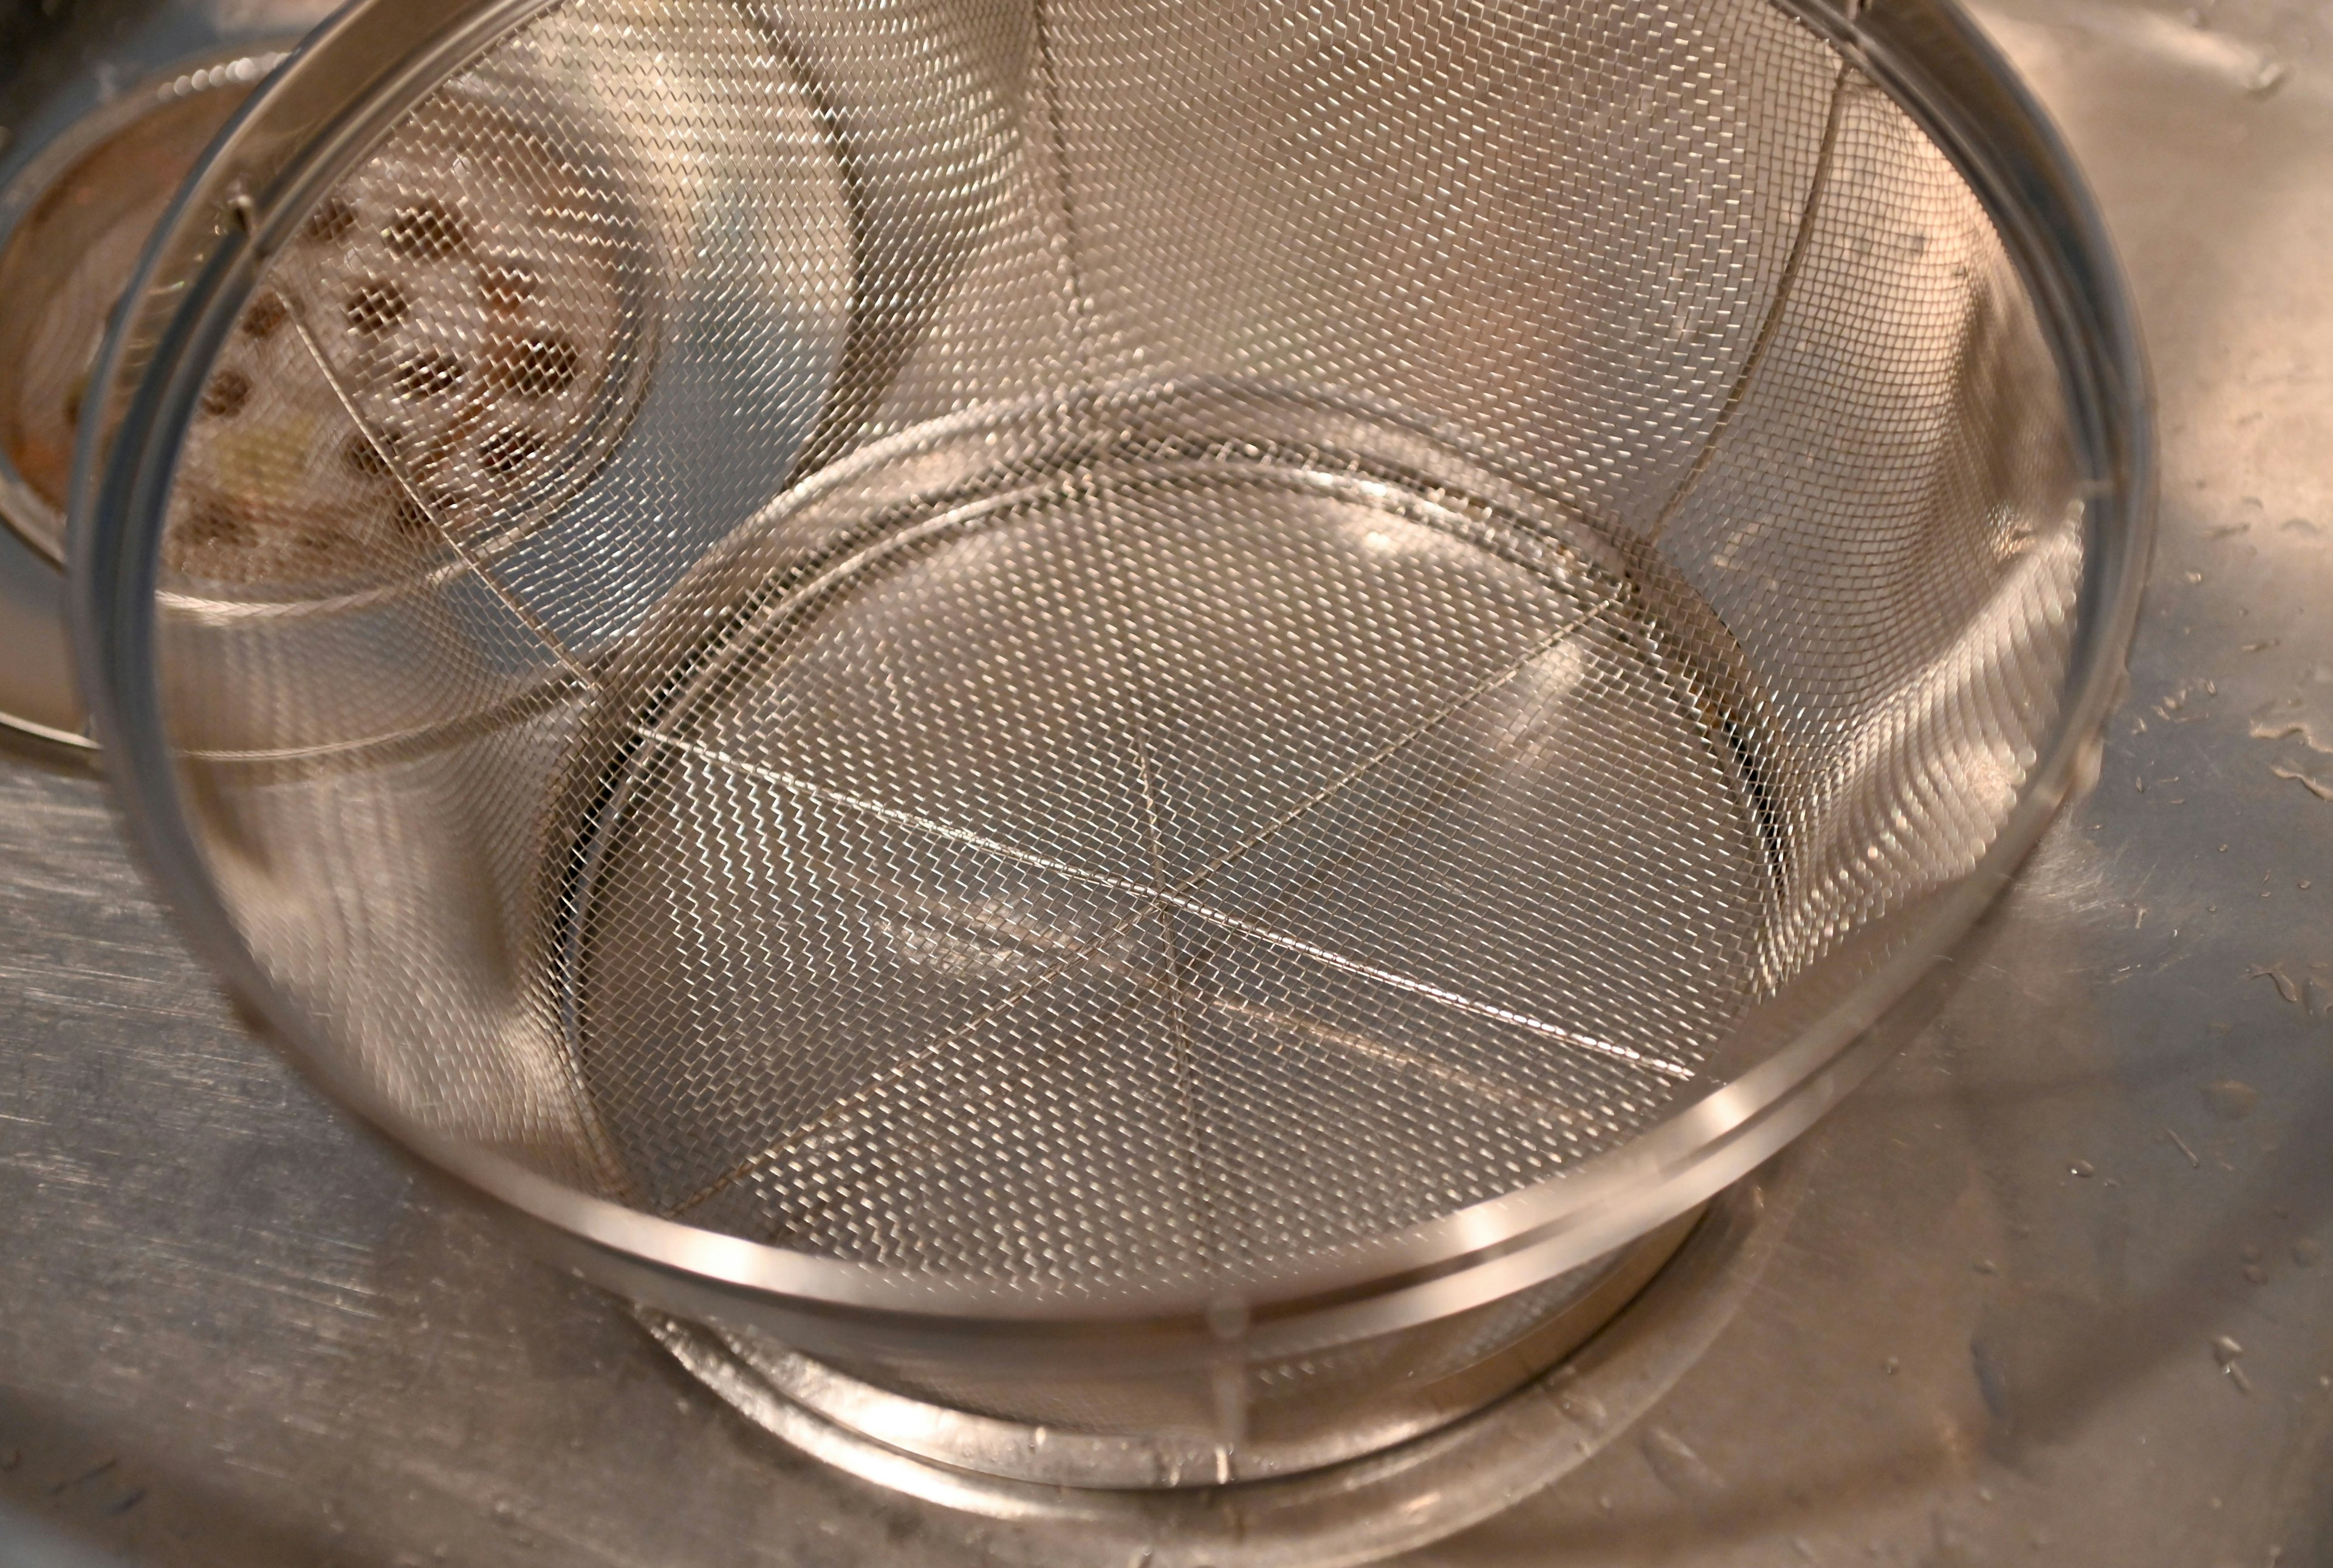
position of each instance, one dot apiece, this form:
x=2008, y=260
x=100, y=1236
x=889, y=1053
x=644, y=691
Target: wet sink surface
x=2056, y=1290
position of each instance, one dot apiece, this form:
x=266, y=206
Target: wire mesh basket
x=1147, y=723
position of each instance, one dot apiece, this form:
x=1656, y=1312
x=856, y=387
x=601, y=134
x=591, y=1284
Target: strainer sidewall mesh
x=1924, y=53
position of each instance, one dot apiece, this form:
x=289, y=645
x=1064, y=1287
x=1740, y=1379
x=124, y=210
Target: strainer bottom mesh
x=1143, y=853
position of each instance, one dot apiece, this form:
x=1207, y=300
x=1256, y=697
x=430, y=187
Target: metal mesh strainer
x=986, y=685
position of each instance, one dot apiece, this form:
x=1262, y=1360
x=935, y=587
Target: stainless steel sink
x=2054, y=1288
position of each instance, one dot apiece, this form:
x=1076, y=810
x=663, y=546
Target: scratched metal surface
x=2057, y=1292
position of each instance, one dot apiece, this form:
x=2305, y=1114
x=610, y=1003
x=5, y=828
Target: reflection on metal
x=1959, y=1352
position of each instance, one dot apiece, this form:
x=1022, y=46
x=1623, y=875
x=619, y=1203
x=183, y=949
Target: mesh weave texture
x=1115, y=642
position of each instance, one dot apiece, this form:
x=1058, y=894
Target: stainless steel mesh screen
x=1110, y=644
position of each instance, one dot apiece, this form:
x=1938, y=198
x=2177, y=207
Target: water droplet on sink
x=1680, y=1469
x=1583, y=1408
x=2318, y=787
x=2083, y=1168
x=2286, y=985
x=2232, y=1099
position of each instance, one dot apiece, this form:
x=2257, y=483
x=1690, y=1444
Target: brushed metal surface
x=2058, y=1290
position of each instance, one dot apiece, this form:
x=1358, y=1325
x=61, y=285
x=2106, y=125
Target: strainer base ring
x=1358, y=1413
x=1362, y=1510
